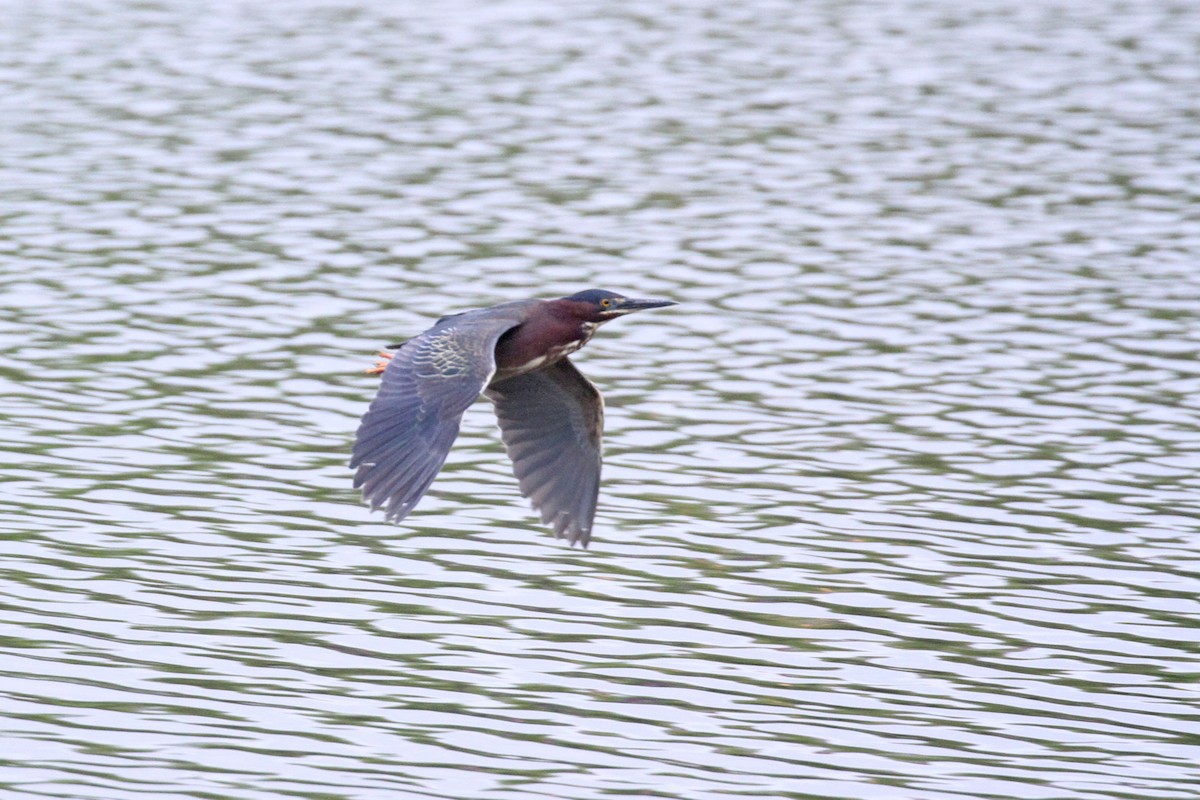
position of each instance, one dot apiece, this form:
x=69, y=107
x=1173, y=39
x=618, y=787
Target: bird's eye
x=606, y=303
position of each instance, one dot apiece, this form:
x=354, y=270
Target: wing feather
x=552, y=421
x=408, y=430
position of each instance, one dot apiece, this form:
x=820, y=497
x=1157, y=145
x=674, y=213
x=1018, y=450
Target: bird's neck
x=540, y=342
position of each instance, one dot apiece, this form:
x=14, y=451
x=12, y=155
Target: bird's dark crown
x=596, y=296
x=598, y=305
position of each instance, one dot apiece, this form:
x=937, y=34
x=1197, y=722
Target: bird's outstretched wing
x=551, y=422
x=411, y=424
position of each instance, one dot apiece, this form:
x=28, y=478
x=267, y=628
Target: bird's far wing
x=551, y=422
x=408, y=430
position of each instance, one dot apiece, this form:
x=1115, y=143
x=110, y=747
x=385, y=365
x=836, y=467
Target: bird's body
x=551, y=417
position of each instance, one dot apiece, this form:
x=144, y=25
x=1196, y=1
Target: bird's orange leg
x=381, y=364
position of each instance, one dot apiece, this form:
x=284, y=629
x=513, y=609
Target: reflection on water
x=900, y=503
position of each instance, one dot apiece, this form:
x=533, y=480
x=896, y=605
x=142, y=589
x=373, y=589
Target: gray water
x=900, y=502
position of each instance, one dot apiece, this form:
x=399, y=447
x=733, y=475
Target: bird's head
x=600, y=305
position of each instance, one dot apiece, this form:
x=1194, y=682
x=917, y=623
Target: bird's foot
x=381, y=364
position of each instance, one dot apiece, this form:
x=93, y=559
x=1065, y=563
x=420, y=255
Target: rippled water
x=900, y=503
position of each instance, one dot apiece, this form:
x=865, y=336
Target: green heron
x=551, y=417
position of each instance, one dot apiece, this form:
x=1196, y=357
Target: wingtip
x=573, y=533
x=580, y=536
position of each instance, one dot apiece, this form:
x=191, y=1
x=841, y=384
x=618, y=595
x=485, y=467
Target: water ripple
x=900, y=502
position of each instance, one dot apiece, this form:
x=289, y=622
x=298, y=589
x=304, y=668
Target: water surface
x=901, y=502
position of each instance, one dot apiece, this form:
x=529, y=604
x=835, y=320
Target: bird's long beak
x=631, y=304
